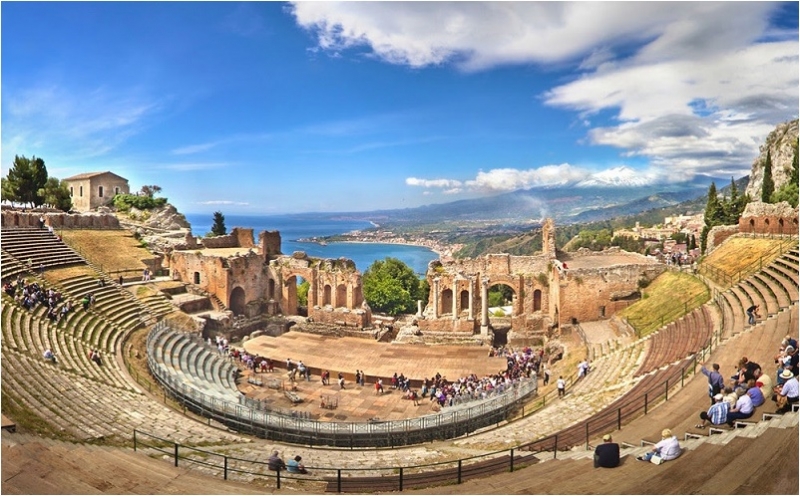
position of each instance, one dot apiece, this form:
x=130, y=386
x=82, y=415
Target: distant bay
x=299, y=226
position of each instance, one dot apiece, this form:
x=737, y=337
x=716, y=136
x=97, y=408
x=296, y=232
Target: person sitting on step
x=667, y=449
x=717, y=414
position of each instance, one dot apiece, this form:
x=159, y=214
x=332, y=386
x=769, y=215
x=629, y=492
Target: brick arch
x=341, y=295
x=237, y=301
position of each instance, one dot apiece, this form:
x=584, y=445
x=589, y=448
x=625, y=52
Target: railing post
x=338, y=480
x=683, y=369
x=459, y=471
x=512, y=459
x=278, y=477
x=666, y=390
x=555, y=447
x=225, y=470
x=176, y=454
x=619, y=418
x=134, y=440
x=645, y=403
x=401, y=478
x=587, y=434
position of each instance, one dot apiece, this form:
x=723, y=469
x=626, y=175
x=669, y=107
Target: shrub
x=124, y=202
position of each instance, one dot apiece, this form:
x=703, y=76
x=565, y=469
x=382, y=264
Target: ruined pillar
x=471, y=309
x=419, y=308
x=455, y=299
x=485, y=306
x=436, y=298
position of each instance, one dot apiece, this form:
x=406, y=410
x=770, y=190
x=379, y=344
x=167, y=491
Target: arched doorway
x=537, y=300
x=326, y=295
x=447, y=301
x=464, y=300
x=237, y=302
x=341, y=295
x=501, y=309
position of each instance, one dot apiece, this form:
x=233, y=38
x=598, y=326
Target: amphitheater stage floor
x=347, y=355
x=376, y=359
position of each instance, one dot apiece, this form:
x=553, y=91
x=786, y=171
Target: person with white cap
x=607, y=454
x=743, y=409
x=717, y=414
x=788, y=393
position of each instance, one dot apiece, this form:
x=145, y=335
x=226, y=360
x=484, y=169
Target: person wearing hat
x=667, y=449
x=788, y=393
x=743, y=409
x=607, y=454
x=792, y=356
x=717, y=414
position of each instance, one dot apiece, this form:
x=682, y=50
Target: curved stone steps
x=770, y=304
x=777, y=290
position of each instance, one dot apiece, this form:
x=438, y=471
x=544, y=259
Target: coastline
x=442, y=252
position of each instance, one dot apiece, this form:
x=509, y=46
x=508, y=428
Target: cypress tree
x=768, y=185
x=219, y=229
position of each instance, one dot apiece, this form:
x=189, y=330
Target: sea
x=298, y=226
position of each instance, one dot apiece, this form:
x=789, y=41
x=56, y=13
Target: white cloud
x=433, y=183
x=477, y=35
x=694, y=87
x=513, y=179
x=508, y=179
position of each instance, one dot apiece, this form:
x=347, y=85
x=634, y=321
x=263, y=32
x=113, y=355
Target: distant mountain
x=563, y=204
x=658, y=200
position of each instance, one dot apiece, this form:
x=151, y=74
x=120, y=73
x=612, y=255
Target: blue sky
x=327, y=106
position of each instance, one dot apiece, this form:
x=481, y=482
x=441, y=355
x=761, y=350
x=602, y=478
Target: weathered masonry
x=254, y=280
x=547, y=292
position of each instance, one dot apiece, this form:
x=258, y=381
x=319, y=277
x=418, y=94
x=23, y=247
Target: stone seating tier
x=785, y=282
x=89, y=410
x=181, y=354
x=770, y=305
x=39, y=246
x=777, y=290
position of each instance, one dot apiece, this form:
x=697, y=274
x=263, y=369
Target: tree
x=392, y=287
x=302, y=293
x=692, y=243
x=149, y=190
x=218, y=228
x=768, y=185
x=789, y=191
x=56, y=194
x=712, y=215
x=26, y=177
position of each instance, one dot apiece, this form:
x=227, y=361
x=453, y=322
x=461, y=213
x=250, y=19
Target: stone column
x=485, y=306
x=455, y=299
x=471, y=309
x=419, y=308
x=436, y=298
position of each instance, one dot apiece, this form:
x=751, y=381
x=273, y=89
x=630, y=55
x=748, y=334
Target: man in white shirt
x=743, y=409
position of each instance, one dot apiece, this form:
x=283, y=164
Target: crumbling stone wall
x=238, y=238
x=769, y=218
x=270, y=244
x=251, y=285
x=718, y=234
x=59, y=220
x=598, y=293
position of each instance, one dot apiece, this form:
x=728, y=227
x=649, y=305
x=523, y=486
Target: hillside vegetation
x=669, y=297
x=739, y=257
x=113, y=249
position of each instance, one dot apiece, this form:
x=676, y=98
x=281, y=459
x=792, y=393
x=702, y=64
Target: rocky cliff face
x=781, y=143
